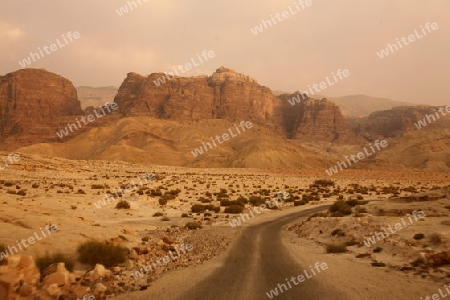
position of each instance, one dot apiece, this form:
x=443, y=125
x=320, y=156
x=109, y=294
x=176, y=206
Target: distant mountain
x=95, y=96
x=362, y=105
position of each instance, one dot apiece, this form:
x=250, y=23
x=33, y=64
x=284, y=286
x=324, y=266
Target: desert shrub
x=360, y=197
x=168, y=196
x=8, y=183
x=419, y=236
x=155, y=192
x=123, y=205
x=80, y=191
x=21, y=193
x=378, y=264
x=43, y=262
x=341, y=207
x=351, y=242
x=242, y=199
x=97, y=186
x=377, y=249
x=256, y=200
x=338, y=232
x=165, y=219
x=35, y=185
x=361, y=210
x=336, y=248
x=193, y=225
x=418, y=262
x=298, y=203
x=341, y=197
x=323, y=183
x=162, y=201
x=435, y=239
x=234, y=209
x=352, y=202
x=198, y=208
x=92, y=253
x=185, y=215
x=158, y=214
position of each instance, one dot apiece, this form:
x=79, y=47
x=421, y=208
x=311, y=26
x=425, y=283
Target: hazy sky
x=301, y=50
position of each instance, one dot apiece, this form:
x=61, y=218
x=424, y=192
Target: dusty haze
x=297, y=52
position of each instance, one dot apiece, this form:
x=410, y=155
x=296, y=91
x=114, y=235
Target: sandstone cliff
x=32, y=103
x=229, y=95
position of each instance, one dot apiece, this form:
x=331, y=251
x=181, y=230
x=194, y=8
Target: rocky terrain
x=66, y=193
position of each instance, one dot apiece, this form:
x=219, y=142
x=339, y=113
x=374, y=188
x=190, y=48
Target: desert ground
x=39, y=191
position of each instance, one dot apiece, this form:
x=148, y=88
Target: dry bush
x=435, y=239
x=336, y=248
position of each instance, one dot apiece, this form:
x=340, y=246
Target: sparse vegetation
x=435, y=239
x=234, y=209
x=43, y=262
x=123, y=205
x=419, y=236
x=93, y=252
x=336, y=248
x=193, y=225
x=158, y=214
x=341, y=207
x=377, y=250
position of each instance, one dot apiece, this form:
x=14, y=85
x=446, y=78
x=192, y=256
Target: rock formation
x=232, y=96
x=32, y=101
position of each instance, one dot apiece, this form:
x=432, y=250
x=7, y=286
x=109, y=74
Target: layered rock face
x=224, y=95
x=32, y=103
x=232, y=96
x=322, y=118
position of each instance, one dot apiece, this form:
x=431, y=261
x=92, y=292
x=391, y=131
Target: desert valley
x=249, y=150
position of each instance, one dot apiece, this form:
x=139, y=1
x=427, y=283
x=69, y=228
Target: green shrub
x=92, y=253
x=43, y=262
x=234, y=209
x=336, y=248
x=419, y=236
x=123, y=205
x=193, y=225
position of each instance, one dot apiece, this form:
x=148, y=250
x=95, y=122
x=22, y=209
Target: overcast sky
x=301, y=50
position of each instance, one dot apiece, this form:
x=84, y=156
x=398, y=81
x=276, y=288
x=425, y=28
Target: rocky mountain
x=229, y=95
x=399, y=120
x=33, y=103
